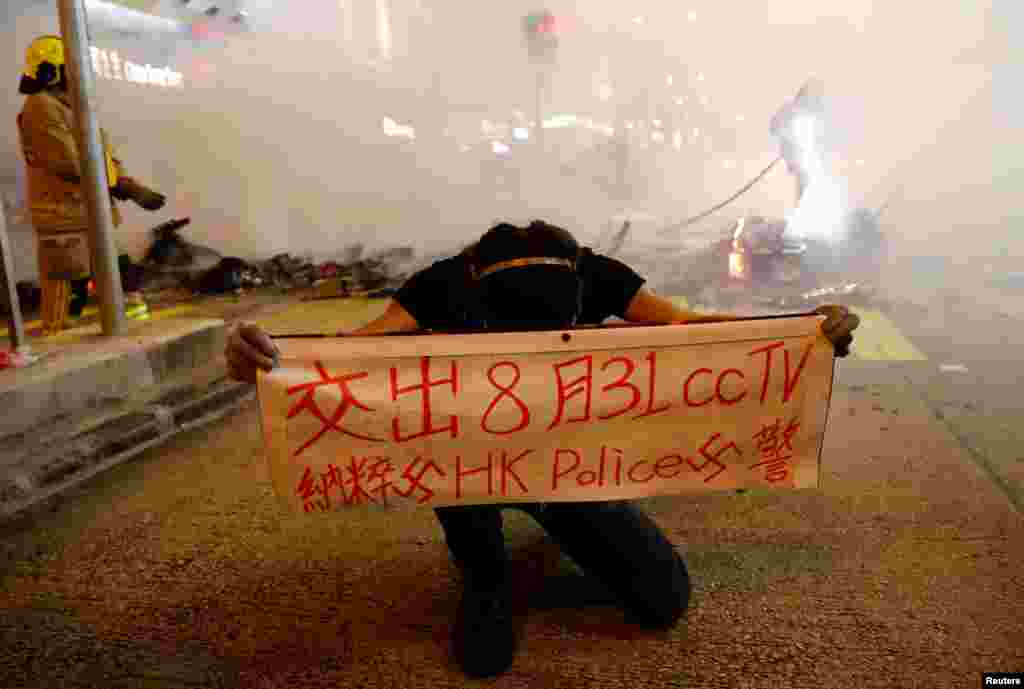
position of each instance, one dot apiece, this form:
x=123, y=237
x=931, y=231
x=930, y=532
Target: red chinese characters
x=366, y=480
x=315, y=493
x=775, y=445
x=414, y=473
x=581, y=386
x=424, y=388
x=308, y=403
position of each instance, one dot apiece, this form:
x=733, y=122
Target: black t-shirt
x=439, y=296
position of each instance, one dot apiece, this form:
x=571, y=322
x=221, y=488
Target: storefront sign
x=108, y=64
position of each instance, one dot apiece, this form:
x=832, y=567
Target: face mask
x=531, y=298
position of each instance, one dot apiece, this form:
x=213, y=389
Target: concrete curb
x=85, y=377
x=118, y=440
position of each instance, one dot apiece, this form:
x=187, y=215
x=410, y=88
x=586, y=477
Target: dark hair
x=532, y=296
x=505, y=242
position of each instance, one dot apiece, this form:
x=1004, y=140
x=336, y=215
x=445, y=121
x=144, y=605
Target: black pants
x=614, y=542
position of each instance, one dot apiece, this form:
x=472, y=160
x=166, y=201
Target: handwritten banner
x=599, y=414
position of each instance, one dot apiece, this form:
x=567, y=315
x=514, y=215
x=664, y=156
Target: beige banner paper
x=599, y=414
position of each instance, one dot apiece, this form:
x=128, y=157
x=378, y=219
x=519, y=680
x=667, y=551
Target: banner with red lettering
x=590, y=414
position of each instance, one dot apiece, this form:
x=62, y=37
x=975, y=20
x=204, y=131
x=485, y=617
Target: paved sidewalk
x=182, y=569
x=93, y=402
x=90, y=402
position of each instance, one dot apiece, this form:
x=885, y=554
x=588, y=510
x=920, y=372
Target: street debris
x=287, y=272
x=225, y=277
x=748, y=266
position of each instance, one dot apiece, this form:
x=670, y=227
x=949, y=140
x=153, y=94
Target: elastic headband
x=520, y=262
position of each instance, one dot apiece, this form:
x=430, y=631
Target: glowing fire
x=822, y=207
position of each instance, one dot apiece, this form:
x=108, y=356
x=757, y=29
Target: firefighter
x=53, y=164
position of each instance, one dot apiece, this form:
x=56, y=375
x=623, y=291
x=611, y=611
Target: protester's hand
x=249, y=349
x=838, y=326
x=119, y=192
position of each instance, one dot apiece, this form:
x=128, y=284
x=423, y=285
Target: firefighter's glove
x=142, y=196
x=119, y=193
x=838, y=326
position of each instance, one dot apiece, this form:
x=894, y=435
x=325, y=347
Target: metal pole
x=539, y=110
x=16, y=324
x=82, y=84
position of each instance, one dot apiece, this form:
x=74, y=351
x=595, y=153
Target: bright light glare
x=737, y=268
x=700, y=76
x=638, y=20
x=691, y=15
x=599, y=127
x=669, y=79
x=740, y=118
x=499, y=148
x=392, y=128
x=823, y=206
x=520, y=133
x=680, y=101
x=559, y=121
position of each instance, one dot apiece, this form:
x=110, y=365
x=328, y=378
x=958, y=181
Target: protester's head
x=527, y=277
x=44, y=65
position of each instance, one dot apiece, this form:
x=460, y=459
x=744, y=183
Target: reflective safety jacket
x=53, y=165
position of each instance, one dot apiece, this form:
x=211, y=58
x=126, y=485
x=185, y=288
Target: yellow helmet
x=44, y=50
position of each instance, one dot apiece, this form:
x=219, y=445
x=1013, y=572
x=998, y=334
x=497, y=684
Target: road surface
x=180, y=569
